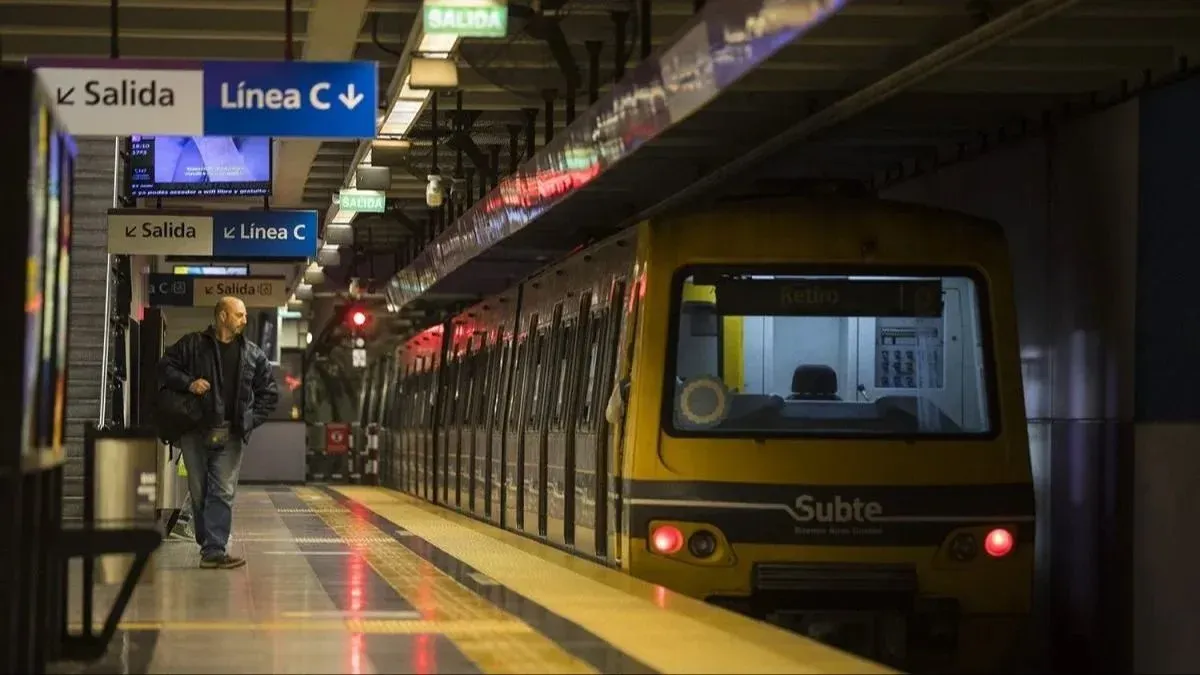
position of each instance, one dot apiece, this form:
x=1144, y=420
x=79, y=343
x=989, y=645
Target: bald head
x=229, y=317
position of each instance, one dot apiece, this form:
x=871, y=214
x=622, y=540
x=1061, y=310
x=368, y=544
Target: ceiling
x=881, y=91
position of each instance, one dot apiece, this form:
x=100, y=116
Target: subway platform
x=366, y=580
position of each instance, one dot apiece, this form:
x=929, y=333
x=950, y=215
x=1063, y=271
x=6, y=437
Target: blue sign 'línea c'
x=291, y=98
x=266, y=234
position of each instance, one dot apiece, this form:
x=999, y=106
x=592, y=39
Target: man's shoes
x=222, y=562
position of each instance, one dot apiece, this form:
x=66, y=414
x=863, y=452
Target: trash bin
x=127, y=465
x=172, y=483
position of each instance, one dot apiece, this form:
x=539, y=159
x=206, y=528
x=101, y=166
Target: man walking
x=237, y=389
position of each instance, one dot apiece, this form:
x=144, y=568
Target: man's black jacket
x=196, y=355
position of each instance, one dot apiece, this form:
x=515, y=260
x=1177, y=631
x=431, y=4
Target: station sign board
x=362, y=201
x=179, y=290
x=298, y=99
x=466, y=18
x=230, y=234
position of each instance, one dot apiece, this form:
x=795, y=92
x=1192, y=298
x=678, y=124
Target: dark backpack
x=176, y=414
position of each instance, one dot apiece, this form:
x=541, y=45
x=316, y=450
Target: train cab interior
x=775, y=354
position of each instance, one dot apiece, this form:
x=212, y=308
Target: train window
x=478, y=382
x=561, y=373
x=761, y=353
x=597, y=326
x=516, y=401
x=454, y=378
x=500, y=392
x=486, y=377
x=537, y=361
x=466, y=383
x=493, y=364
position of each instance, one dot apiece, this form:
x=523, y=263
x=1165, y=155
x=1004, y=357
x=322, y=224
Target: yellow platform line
x=670, y=633
x=452, y=629
x=513, y=647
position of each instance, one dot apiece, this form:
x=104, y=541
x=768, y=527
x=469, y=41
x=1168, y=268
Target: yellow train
x=806, y=410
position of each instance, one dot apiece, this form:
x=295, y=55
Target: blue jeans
x=212, y=481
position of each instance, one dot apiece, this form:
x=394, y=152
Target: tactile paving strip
x=495, y=640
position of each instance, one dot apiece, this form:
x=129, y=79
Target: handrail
x=105, y=345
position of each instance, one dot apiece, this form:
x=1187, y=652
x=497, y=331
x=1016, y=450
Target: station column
x=1166, y=490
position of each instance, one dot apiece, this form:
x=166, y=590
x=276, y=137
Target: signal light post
x=357, y=321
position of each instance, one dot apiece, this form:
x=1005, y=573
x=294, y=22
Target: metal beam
x=333, y=27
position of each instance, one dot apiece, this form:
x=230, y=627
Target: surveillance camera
x=434, y=193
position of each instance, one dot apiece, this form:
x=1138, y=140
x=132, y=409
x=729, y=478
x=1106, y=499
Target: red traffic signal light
x=357, y=318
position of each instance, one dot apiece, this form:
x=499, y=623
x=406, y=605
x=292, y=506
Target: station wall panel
x=1069, y=205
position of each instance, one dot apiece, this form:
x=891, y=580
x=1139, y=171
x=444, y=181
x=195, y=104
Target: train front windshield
x=761, y=352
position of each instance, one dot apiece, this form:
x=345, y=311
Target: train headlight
x=964, y=547
x=702, y=544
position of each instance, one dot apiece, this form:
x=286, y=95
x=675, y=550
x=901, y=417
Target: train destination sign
x=828, y=297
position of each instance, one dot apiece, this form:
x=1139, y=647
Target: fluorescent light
x=438, y=46
x=342, y=217
x=427, y=73
x=401, y=117
x=366, y=160
x=407, y=93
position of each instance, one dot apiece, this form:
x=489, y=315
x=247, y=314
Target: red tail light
x=666, y=540
x=998, y=543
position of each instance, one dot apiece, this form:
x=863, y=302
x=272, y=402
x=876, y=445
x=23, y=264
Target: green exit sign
x=362, y=201
x=466, y=18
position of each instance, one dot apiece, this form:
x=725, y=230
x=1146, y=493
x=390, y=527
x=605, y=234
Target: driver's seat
x=814, y=383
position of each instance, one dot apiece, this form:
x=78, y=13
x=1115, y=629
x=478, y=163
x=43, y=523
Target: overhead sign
x=176, y=290
x=265, y=234
x=466, y=18
x=120, y=101
x=246, y=234
x=291, y=98
x=300, y=99
x=362, y=201
x=153, y=233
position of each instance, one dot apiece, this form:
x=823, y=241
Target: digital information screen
x=199, y=166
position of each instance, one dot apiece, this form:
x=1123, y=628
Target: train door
x=624, y=337
x=522, y=403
